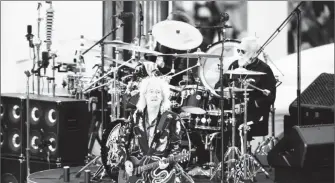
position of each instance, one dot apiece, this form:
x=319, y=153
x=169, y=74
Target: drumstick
x=186, y=70
x=255, y=87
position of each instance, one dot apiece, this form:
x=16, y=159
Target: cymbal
x=193, y=55
x=243, y=71
x=235, y=89
x=107, y=58
x=116, y=43
x=138, y=49
x=177, y=35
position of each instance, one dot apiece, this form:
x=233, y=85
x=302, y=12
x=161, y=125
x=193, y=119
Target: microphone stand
x=223, y=31
x=298, y=13
x=28, y=124
x=38, y=45
x=102, y=66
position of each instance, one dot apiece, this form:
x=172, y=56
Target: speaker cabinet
x=317, y=102
x=58, y=127
x=305, y=147
x=12, y=124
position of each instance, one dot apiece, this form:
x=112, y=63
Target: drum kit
x=196, y=102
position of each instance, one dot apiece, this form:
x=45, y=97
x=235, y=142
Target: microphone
x=29, y=35
x=224, y=17
x=124, y=15
x=45, y=60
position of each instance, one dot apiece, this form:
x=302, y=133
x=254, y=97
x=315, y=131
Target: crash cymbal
x=193, y=55
x=116, y=43
x=243, y=71
x=109, y=59
x=177, y=35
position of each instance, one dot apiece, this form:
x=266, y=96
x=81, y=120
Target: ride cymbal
x=243, y=71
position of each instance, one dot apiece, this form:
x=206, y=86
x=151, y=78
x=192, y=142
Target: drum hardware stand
x=232, y=151
x=222, y=30
x=209, y=145
x=28, y=74
x=247, y=160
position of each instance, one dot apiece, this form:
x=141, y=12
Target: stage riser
x=15, y=167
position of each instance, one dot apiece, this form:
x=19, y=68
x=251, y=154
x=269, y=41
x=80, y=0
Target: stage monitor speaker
x=305, y=147
x=317, y=102
x=13, y=124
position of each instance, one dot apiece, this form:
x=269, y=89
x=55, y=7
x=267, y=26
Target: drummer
x=165, y=64
x=259, y=102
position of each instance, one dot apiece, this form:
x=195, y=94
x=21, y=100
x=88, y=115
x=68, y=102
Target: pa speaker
x=305, y=147
x=317, y=102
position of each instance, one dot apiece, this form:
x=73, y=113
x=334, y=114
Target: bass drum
x=209, y=72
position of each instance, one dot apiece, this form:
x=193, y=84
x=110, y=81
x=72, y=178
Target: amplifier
x=58, y=126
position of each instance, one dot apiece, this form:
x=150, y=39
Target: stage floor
x=56, y=175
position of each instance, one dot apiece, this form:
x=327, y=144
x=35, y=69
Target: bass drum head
x=209, y=72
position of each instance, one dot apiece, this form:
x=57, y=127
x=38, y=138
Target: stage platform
x=56, y=176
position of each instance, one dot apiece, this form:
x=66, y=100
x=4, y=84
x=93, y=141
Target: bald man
x=259, y=102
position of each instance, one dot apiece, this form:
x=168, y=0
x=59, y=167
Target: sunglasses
x=242, y=51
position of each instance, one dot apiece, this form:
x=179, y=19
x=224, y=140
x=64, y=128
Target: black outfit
x=266, y=81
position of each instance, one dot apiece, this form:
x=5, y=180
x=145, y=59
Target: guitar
x=141, y=167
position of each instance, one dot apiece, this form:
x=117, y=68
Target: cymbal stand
x=232, y=151
x=247, y=162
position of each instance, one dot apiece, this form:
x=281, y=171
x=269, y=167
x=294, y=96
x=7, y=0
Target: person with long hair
x=152, y=135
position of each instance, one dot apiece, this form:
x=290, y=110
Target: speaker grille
x=319, y=93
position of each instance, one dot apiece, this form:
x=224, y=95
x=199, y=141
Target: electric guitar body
x=147, y=170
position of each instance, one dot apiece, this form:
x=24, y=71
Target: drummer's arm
x=269, y=83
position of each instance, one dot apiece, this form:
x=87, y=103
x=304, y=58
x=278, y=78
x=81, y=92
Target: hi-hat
x=243, y=71
x=177, y=35
x=193, y=55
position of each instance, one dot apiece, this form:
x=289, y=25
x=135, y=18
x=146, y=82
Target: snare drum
x=194, y=99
